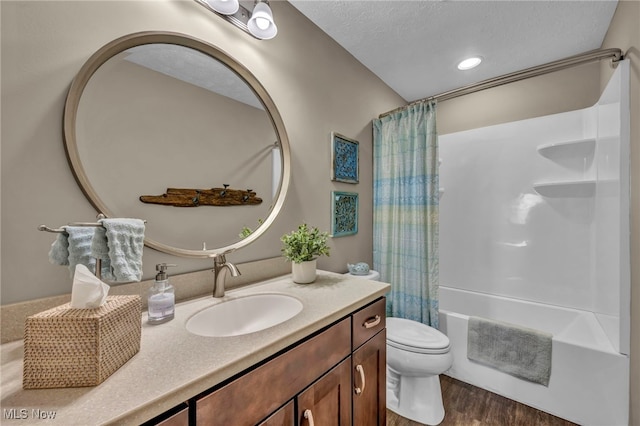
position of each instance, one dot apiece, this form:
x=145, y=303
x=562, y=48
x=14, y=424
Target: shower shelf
x=576, y=149
x=573, y=189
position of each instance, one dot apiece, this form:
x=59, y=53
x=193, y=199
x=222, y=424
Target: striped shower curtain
x=405, y=211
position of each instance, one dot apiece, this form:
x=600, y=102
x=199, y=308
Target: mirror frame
x=121, y=44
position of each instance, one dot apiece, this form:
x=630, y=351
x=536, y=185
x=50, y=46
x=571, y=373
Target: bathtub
x=589, y=379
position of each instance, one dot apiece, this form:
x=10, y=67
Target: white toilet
x=416, y=355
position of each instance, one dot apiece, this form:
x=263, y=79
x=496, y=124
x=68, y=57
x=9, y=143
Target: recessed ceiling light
x=469, y=63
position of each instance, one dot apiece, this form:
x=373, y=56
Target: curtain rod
x=583, y=58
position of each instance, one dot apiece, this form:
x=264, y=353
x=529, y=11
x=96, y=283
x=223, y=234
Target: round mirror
x=169, y=129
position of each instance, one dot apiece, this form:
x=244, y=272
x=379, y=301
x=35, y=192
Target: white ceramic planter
x=304, y=273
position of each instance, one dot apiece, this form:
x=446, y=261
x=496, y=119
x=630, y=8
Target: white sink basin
x=244, y=315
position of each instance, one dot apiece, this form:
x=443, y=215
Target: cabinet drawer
x=282, y=417
x=368, y=321
x=181, y=418
x=177, y=416
x=252, y=397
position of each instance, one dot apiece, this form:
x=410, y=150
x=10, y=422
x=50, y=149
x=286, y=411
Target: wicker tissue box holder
x=65, y=347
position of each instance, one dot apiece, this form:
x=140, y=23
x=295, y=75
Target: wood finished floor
x=467, y=405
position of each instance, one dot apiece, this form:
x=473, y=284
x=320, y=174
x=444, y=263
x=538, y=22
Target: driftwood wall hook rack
x=187, y=197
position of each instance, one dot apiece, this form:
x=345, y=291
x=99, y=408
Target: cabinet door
x=328, y=400
x=369, y=382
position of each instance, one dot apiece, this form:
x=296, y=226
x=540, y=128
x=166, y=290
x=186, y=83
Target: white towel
x=125, y=239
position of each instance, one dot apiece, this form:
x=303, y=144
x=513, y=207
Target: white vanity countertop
x=174, y=365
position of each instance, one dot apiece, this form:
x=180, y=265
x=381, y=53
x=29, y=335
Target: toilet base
x=415, y=398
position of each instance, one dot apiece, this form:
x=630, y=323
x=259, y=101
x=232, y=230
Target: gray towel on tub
x=522, y=352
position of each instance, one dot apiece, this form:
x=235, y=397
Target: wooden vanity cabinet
x=255, y=395
x=334, y=378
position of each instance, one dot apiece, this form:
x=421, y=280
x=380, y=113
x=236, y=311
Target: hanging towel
x=522, y=352
x=73, y=247
x=125, y=239
x=59, y=252
x=100, y=250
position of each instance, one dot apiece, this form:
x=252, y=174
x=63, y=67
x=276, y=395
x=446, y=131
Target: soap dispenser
x=162, y=300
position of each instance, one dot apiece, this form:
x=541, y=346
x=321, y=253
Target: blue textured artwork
x=344, y=213
x=344, y=159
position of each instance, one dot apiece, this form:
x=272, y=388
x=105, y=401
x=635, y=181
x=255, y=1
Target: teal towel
x=59, y=252
x=73, y=247
x=521, y=352
x=125, y=239
x=100, y=250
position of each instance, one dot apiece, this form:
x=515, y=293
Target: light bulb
x=225, y=7
x=469, y=63
x=262, y=23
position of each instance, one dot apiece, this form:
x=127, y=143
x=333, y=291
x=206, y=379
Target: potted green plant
x=302, y=247
x=246, y=231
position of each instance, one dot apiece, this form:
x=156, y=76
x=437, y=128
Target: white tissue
x=88, y=292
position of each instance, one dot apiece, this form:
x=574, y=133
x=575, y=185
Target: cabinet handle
x=372, y=322
x=360, y=370
x=309, y=416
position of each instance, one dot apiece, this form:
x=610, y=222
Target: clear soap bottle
x=162, y=300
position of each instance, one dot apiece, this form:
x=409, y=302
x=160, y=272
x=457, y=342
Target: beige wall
x=561, y=91
x=317, y=87
x=624, y=33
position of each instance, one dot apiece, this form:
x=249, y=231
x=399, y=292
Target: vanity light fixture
x=259, y=22
x=224, y=7
x=469, y=63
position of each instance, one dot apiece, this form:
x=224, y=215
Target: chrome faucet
x=220, y=269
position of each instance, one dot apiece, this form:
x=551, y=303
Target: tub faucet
x=220, y=269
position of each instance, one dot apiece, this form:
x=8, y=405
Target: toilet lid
x=414, y=336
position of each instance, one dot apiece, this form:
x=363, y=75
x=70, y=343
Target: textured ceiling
x=193, y=67
x=414, y=46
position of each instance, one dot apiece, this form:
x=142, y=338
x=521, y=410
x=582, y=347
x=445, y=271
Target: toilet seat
x=416, y=337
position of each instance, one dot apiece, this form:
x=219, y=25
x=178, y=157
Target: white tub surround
x=173, y=365
x=537, y=212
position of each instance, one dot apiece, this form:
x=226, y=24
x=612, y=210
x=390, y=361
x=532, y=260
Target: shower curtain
x=405, y=211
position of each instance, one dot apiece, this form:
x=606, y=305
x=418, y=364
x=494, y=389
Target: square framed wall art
x=344, y=213
x=345, y=161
